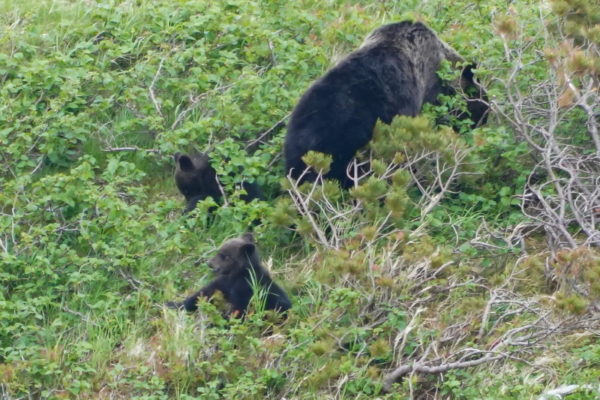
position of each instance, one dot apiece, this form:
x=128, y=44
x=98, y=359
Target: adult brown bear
x=393, y=72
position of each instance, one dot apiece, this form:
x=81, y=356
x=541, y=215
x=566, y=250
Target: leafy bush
x=409, y=268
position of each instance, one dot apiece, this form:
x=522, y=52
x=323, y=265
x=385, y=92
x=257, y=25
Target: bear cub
x=394, y=72
x=196, y=179
x=237, y=265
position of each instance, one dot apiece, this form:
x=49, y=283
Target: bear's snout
x=211, y=263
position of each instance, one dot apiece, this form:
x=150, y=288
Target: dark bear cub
x=394, y=72
x=237, y=265
x=196, y=179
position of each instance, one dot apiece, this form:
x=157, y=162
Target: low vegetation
x=463, y=264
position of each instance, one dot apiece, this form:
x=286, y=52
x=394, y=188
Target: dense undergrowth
x=421, y=263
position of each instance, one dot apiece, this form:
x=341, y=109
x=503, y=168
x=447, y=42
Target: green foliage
x=576, y=271
x=370, y=191
x=582, y=16
x=95, y=97
x=318, y=161
x=412, y=135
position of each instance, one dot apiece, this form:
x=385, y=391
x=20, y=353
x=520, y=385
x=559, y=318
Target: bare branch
x=403, y=370
x=129, y=148
x=195, y=101
x=559, y=392
x=563, y=187
x=266, y=134
x=151, y=88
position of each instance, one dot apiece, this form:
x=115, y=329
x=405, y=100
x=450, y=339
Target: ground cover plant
x=462, y=264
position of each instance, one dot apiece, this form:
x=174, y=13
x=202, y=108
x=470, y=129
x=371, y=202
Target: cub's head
x=235, y=256
x=195, y=177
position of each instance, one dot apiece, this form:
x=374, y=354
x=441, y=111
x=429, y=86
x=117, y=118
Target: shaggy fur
x=393, y=72
x=196, y=179
x=236, y=264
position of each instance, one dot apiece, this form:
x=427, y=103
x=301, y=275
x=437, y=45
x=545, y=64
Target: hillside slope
x=444, y=274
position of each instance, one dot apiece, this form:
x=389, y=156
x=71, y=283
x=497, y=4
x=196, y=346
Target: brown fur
x=196, y=179
x=237, y=264
x=394, y=72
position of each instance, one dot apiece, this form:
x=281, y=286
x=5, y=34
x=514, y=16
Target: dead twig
x=559, y=392
x=564, y=184
x=194, y=101
x=151, y=88
x=266, y=134
x=129, y=148
x=403, y=370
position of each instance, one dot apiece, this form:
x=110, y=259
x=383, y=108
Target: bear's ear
x=185, y=163
x=248, y=248
x=202, y=161
x=248, y=237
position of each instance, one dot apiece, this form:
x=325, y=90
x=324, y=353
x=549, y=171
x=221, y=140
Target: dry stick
x=129, y=148
x=526, y=339
x=151, y=88
x=354, y=167
x=575, y=190
x=403, y=337
x=195, y=100
x=559, y=221
x=38, y=166
x=536, y=117
x=266, y=133
x=564, y=390
x=83, y=317
x=399, y=372
x=327, y=209
x=486, y=315
x=582, y=102
x=225, y=202
x=303, y=204
x=443, y=187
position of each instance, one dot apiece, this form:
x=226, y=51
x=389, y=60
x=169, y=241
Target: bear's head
x=477, y=100
x=235, y=256
x=195, y=177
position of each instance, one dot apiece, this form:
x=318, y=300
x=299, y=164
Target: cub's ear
x=248, y=237
x=185, y=163
x=248, y=248
x=201, y=161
